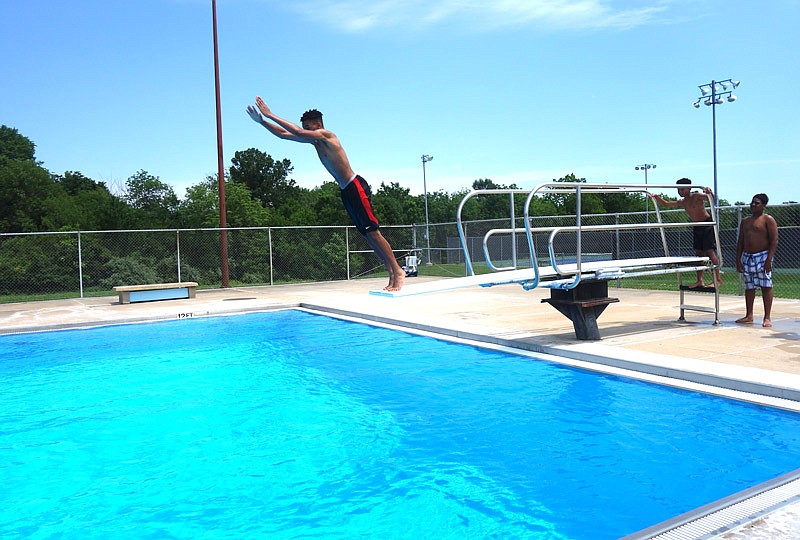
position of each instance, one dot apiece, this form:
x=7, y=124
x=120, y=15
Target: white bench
x=129, y=294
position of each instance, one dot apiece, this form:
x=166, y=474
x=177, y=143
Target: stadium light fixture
x=720, y=91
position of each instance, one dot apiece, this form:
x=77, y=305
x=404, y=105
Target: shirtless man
x=755, y=249
x=703, y=240
x=354, y=189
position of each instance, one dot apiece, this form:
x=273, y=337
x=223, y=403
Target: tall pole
x=727, y=85
x=223, y=254
x=645, y=167
x=425, y=159
x=714, y=138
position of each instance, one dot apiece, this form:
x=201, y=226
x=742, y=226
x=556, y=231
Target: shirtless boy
x=703, y=240
x=354, y=190
x=755, y=249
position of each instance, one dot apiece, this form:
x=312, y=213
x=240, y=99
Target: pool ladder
x=699, y=290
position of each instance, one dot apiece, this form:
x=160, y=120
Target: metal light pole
x=223, y=253
x=645, y=167
x=425, y=159
x=717, y=90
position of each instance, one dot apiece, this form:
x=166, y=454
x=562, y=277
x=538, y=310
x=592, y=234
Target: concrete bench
x=129, y=294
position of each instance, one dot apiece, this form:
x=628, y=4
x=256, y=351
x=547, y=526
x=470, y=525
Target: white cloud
x=363, y=15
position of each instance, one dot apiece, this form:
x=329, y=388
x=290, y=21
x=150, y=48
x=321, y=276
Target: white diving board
x=548, y=276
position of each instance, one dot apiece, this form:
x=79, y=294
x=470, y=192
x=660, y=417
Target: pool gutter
x=726, y=514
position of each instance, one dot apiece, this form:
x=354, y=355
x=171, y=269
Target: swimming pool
x=291, y=424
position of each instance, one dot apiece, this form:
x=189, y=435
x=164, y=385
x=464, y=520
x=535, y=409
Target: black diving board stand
x=582, y=305
x=598, y=270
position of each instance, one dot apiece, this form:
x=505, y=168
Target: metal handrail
x=576, y=188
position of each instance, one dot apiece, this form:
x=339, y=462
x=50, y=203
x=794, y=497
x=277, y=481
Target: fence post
x=739, y=277
x=269, y=235
x=178, y=250
x=616, y=253
x=347, y=250
x=80, y=264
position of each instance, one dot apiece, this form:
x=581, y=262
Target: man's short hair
x=762, y=197
x=312, y=114
x=684, y=181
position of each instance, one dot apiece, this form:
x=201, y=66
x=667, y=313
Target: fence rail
x=70, y=264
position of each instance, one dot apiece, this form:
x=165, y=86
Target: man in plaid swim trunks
x=755, y=250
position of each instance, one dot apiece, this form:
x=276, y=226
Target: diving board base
x=582, y=305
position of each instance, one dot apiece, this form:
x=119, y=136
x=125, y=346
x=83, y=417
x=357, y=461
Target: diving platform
x=578, y=289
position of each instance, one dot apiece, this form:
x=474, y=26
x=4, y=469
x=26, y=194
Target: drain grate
x=718, y=517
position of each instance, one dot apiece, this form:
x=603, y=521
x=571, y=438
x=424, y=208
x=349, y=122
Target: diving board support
x=583, y=305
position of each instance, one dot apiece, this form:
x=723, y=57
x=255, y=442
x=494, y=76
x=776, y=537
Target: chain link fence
x=73, y=264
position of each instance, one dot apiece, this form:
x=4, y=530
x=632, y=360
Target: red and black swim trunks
x=356, y=197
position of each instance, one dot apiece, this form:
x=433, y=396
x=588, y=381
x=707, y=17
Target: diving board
x=578, y=290
x=549, y=276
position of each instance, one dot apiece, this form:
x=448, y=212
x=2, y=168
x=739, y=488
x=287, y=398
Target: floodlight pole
x=425, y=159
x=645, y=167
x=727, y=86
x=223, y=254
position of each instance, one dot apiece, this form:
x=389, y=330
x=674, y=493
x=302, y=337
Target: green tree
x=73, y=182
x=200, y=208
x=566, y=203
x=91, y=206
x=155, y=200
x=267, y=179
x=25, y=191
x=394, y=205
x=15, y=146
x=494, y=206
x=328, y=205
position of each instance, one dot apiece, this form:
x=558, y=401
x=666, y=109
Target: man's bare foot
x=745, y=320
x=395, y=282
x=697, y=284
x=718, y=284
x=767, y=323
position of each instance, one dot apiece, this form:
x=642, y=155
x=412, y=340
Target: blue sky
x=519, y=91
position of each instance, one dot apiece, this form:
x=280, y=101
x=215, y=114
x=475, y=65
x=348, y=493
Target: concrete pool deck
x=640, y=332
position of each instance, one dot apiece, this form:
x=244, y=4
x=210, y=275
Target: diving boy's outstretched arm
x=286, y=129
x=276, y=130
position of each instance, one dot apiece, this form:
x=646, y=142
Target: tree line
x=259, y=192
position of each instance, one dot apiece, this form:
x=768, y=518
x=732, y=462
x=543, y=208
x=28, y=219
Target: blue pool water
x=294, y=425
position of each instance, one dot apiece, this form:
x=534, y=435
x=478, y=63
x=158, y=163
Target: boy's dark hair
x=684, y=181
x=762, y=197
x=312, y=114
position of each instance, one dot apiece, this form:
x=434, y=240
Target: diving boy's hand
x=262, y=106
x=254, y=114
